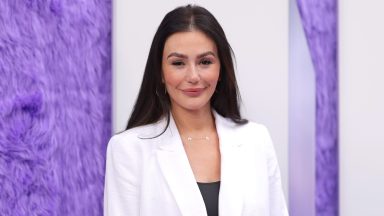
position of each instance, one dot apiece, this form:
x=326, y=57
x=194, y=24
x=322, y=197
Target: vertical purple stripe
x=319, y=19
x=55, y=106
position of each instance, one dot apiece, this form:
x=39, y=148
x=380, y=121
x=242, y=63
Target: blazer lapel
x=177, y=171
x=230, y=197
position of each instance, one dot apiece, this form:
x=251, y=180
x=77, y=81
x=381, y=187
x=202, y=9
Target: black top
x=210, y=193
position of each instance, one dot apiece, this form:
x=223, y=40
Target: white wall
x=302, y=114
x=258, y=33
x=361, y=57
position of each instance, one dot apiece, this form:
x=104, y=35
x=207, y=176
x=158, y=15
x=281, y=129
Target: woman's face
x=191, y=69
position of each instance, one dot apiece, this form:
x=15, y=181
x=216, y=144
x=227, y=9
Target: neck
x=193, y=121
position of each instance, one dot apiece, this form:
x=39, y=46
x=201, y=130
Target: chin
x=195, y=107
x=192, y=105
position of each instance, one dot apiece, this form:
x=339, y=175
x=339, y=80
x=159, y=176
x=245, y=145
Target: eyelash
x=205, y=62
x=178, y=63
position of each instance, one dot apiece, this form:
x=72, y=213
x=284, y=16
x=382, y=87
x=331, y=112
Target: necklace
x=190, y=139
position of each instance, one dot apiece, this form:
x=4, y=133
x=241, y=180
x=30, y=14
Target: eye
x=205, y=62
x=177, y=63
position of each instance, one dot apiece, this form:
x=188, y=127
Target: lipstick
x=193, y=92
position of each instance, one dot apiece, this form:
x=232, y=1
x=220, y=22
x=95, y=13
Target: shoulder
x=261, y=140
x=260, y=132
x=250, y=128
x=251, y=134
x=135, y=140
x=254, y=128
x=256, y=135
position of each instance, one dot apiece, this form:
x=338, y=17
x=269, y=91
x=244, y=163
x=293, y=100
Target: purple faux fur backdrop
x=55, y=106
x=320, y=24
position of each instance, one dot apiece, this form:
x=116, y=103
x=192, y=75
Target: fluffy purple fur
x=55, y=106
x=319, y=19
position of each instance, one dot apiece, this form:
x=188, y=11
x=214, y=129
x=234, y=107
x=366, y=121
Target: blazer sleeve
x=121, y=194
x=277, y=205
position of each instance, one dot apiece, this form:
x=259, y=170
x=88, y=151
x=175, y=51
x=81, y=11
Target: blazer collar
x=177, y=171
x=230, y=197
x=174, y=164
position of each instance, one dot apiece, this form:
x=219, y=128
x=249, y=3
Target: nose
x=193, y=75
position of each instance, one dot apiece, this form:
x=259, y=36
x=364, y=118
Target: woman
x=186, y=150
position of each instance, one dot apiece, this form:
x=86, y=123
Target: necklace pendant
x=190, y=139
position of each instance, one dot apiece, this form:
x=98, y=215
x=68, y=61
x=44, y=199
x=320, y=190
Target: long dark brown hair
x=152, y=102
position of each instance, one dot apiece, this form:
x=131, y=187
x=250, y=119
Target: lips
x=193, y=92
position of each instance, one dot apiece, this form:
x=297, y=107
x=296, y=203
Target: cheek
x=213, y=76
x=171, y=78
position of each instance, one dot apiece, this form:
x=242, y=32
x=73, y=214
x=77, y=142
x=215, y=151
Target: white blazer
x=153, y=177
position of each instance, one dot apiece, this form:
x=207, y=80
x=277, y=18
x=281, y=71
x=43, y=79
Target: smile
x=193, y=92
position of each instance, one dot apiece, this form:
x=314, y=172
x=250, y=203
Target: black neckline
x=206, y=183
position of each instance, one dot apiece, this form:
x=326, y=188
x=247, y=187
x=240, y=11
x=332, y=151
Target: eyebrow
x=185, y=57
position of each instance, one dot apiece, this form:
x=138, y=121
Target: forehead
x=191, y=42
